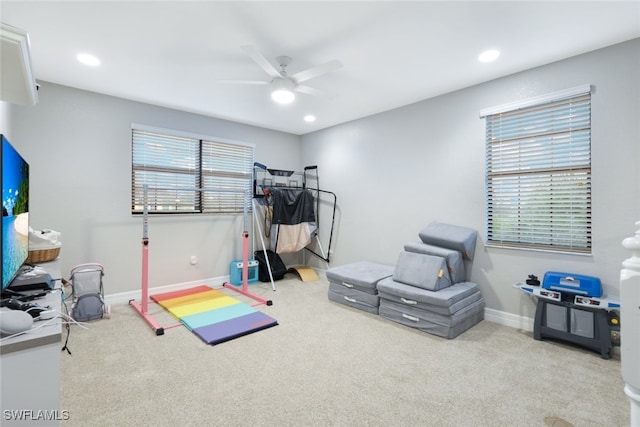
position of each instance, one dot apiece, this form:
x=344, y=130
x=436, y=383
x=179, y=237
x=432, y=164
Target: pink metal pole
x=142, y=308
x=145, y=275
x=245, y=273
x=245, y=261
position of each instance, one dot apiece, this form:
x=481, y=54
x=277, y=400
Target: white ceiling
x=172, y=53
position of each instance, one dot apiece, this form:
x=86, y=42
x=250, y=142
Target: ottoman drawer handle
x=412, y=318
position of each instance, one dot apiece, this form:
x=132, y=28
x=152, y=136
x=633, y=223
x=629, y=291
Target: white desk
x=30, y=368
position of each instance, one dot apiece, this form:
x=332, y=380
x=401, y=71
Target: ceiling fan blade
x=261, y=61
x=308, y=90
x=243, y=82
x=316, y=71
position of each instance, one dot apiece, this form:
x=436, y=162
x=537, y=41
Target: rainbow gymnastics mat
x=212, y=315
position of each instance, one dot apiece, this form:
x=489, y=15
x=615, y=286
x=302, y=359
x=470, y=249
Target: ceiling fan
x=283, y=86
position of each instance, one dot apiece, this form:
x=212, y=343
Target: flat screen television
x=15, y=212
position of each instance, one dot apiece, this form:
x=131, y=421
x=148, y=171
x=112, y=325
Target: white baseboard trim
x=125, y=297
x=508, y=319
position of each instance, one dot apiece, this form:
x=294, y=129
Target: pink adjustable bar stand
x=143, y=306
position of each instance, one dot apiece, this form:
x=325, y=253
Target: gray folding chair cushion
x=449, y=236
x=423, y=271
x=454, y=259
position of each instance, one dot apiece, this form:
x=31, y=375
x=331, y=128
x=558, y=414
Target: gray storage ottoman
x=354, y=298
x=362, y=276
x=445, y=301
x=355, y=284
x=446, y=326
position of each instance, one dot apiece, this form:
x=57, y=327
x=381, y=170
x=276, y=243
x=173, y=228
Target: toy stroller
x=88, y=293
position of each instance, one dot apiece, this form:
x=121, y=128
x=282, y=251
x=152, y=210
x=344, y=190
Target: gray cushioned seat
x=455, y=261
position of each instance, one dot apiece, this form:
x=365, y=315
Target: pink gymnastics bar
x=142, y=307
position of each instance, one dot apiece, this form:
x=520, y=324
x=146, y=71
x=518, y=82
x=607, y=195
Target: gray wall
x=78, y=145
x=397, y=171
x=5, y=119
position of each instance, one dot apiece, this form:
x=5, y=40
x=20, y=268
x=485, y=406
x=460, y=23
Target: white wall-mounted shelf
x=17, y=84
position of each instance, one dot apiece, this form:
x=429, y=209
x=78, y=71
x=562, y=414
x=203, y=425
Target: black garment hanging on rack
x=292, y=206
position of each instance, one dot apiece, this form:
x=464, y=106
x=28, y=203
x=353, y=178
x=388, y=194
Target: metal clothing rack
x=142, y=306
x=308, y=179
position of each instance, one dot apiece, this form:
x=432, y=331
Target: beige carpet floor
x=326, y=364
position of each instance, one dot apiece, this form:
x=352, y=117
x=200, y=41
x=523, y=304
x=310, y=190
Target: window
x=538, y=173
x=187, y=174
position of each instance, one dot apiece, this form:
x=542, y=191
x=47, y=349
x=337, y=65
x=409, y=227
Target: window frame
x=204, y=161
x=514, y=217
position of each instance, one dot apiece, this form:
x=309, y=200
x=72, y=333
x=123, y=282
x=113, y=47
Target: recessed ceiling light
x=88, y=59
x=489, y=55
x=309, y=118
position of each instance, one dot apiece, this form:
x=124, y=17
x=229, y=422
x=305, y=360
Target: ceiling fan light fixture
x=283, y=96
x=282, y=91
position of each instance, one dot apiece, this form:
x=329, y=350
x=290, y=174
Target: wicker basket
x=43, y=255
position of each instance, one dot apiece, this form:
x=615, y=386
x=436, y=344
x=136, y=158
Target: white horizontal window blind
x=228, y=169
x=189, y=175
x=538, y=182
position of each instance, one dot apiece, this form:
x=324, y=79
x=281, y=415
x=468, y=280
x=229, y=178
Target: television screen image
x=15, y=212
